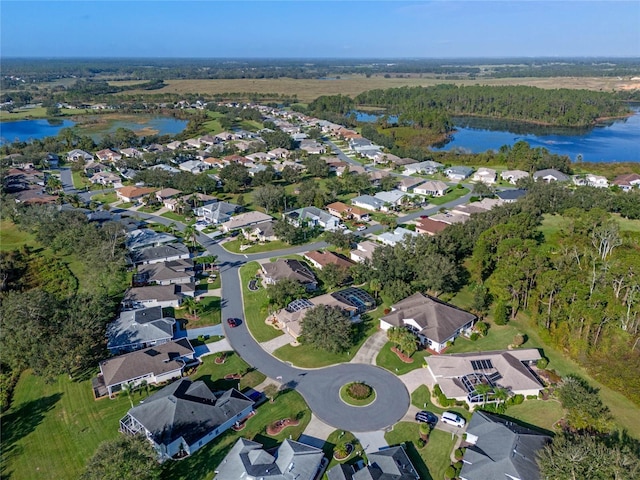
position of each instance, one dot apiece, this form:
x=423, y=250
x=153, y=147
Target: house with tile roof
x=627, y=182
x=434, y=322
x=184, y=416
x=435, y=188
x=132, y=194
x=321, y=259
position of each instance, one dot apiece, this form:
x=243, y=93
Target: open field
x=308, y=89
x=11, y=238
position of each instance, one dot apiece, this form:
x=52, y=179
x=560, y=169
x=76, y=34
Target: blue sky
x=312, y=29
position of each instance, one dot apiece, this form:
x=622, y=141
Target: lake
x=616, y=141
x=25, y=130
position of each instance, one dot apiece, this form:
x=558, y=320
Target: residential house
x=216, y=212
x=131, y=194
x=391, y=199
x=157, y=295
x=224, y=136
x=162, y=253
x=435, y=188
x=146, y=237
x=258, y=157
x=193, y=166
x=429, y=226
x=512, y=176
x=153, y=365
x=256, y=169
x=175, y=145
x=155, y=148
x=449, y=218
x=51, y=160
x=278, y=153
x=167, y=193
x=313, y=217
x=469, y=209
x=590, y=180
x=141, y=328
x=292, y=460
x=347, y=212
x=92, y=168
x=273, y=272
x=131, y=153
x=550, y=175
x=106, y=179
x=436, y=323
x=428, y=167
x=244, y=220
x=395, y=237
x=352, y=301
x=409, y=183
x=76, y=155
x=261, y=232
x=312, y=147
x=376, y=176
x=400, y=162
x=485, y=175
x=208, y=140
x=165, y=168
x=388, y=464
x=192, y=143
x=459, y=374
x=320, y=259
x=367, y=202
x=501, y=448
x=510, y=196
x=107, y=155
x=458, y=173
x=364, y=251
x=627, y=181
x=175, y=272
x=184, y=416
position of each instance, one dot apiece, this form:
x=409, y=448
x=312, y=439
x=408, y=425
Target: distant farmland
x=307, y=90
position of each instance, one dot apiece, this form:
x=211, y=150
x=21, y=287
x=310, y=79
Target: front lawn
x=234, y=246
x=308, y=356
x=208, y=315
x=80, y=180
x=449, y=197
x=213, y=374
x=256, y=305
x=110, y=197
x=338, y=437
x=430, y=461
x=389, y=360
x=421, y=397
x=175, y=217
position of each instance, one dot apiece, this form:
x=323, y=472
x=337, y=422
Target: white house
x=435, y=188
x=485, y=175
x=458, y=173
x=512, y=176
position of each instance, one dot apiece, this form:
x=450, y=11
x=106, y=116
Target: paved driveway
x=370, y=348
x=371, y=441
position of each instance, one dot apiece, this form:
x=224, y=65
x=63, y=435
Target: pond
x=614, y=141
x=24, y=130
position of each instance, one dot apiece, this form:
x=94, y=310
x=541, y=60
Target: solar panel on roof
x=481, y=364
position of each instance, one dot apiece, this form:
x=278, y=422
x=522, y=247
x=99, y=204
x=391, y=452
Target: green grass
x=256, y=306
x=12, y=238
x=148, y=209
x=356, y=402
x=552, y=224
x=126, y=205
x=452, y=195
x=110, y=197
x=430, y=461
x=498, y=338
x=37, y=112
x=52, y=429
x=210, y=313
x=234, y=246
x=176, y=217
x=421, y=397
x=540, y=413
x=338, y=437
x=389, y=360
x=308, y=356
x=80, y=180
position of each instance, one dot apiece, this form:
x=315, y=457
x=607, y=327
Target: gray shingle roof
x=151, y=254
x=292, y=460
x=139, y=326
x=158, y=360
x=438, y=320
x=187, y=409
x=289, y=268
x=388, y=464
x=503, y=448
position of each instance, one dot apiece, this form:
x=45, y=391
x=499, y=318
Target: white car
x=361, y=228
x=454, y=419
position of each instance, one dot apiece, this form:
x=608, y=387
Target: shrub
x=532, y=397
x=421, y=443
x=501, y=313
x=450, y=472
x=458, y=467
x=516, y=399
x=459, y=453
x=482, y=328
x=542, y=363
x=519, y=339
x=442, y=399
x=425, y=429
x=474, y=336
x=359, y=391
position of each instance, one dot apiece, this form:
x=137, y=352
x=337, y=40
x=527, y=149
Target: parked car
x=361, y=228
x=426, y=417
x=452, y=418
x=233, y=322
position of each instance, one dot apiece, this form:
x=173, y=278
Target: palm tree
x=484, y=390
x=191, y=235
x=375, y=286
x=54, y=184
x=191, y=305
x=500, y=394
x=127, y=389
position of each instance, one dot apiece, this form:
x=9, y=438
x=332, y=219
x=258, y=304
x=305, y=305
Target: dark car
x=426, y=417
x=233, y=322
